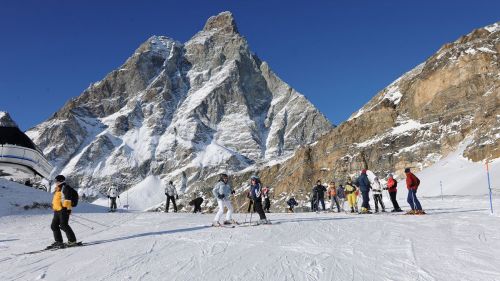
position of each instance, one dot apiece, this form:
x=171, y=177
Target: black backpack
x=73, y=195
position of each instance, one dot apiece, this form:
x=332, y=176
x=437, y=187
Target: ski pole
x=489, y=186
x=83, y=224
x=89, y=220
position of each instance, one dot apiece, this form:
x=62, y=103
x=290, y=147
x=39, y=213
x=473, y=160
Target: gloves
x=232, y=191
x=220, y=196
x=118, y=196
x=177, y=197
x=108, y=196
x=166, y=194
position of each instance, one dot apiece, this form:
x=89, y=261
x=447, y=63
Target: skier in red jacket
x=412, y=183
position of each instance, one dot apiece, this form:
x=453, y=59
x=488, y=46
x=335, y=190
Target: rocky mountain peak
x=223, y=22
x=6, y=120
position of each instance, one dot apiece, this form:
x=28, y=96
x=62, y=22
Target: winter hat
x=363, y=171
x=254, y=177
x=407, y=170
x=60, y=178
x=391, y=175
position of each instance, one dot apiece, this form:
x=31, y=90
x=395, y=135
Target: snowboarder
x=171, y=194
x=61, y=204
x=197, y=204
x=350, y=192
x=291, y=202
x=377, y=194
x=267, y=202
x=256, y=192
x=112, y=194
x=221, y=191
x=341, y=196
x=332, y=195
x=364, y=186
x=392, y=189
x=412, y=183
x=320, y=195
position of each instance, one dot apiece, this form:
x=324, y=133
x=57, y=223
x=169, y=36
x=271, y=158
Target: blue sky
x=338, y=54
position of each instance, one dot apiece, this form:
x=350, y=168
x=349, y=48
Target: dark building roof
x=12, y=135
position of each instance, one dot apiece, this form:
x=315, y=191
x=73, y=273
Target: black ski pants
x=322, y=201
x=394, y=201
x=267, y=204
x=113, y=203
x=378, y=199
x=258, y=208
x=197, y=208
x=250, y=205
x=170, y=198
x=60, y=221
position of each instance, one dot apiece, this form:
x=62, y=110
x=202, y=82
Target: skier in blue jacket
x=364, y=186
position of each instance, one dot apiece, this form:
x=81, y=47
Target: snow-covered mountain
x=181, y=112
x=449, y=104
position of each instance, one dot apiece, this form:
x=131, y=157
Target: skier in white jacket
x=171, y=194
x=221, y=191
x=112, y=194
x=377, y=194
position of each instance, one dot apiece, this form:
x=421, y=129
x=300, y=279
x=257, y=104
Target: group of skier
x=64, y=199
x=362, y=186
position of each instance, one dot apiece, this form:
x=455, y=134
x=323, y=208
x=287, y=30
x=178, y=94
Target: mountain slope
x=180, y=112
x=451, y=99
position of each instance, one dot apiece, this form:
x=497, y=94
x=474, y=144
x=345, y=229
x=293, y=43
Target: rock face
x=183, y=112
x=6, y=120
x=421, y=117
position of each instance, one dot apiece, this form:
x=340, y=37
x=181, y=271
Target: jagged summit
x=6, y=120
x=223, y=22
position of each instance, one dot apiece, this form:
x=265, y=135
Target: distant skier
x=341, y=196
x=320, y=190
x=412, y=183
x=267, y=202
x=314, y=200
x=171, y=193
x=256, y=192
x=392, y=188
x=221, y=191
x=61, y=204
x=332, y=195
x=364, y=186
x=350, y=192
x=291, y=202
x=377, y=194
x=197, y=204
x=251, y=207
x=112, y=194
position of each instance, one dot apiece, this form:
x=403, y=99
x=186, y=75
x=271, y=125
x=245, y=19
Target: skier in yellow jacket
x=350, y=193
x=62, y=209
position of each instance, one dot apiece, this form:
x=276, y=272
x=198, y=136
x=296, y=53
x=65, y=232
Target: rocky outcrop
x=418, y=119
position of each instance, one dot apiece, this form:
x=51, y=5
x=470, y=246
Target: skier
x=314, y=200
x=341, y=196
x=61, y=204
x=350, y=191
x=267, y=202
x=320, y=195
x=171, y=194
x=250, y=203
x=291, y=202
x=222, y=190
x=256, y=192
x=392, y=188
x=377, y=194
x=196, y=202
x=112, y=194
x=364, y=186
x=332, y=195
x=412, y=183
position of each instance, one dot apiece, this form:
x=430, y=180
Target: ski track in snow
x=457, y=240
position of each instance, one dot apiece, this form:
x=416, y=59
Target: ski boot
x=56, y=245
x=216, y=224
x=411, y=212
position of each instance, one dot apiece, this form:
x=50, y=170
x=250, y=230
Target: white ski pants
x=224, y=203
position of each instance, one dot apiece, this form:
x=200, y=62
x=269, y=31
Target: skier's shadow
x=309, y=219
x=138, y=235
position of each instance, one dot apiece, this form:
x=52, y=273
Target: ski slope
x=457, y=240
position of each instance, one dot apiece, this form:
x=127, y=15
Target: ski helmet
x=60, y=178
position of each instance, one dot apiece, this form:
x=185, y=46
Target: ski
x=49, y=248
